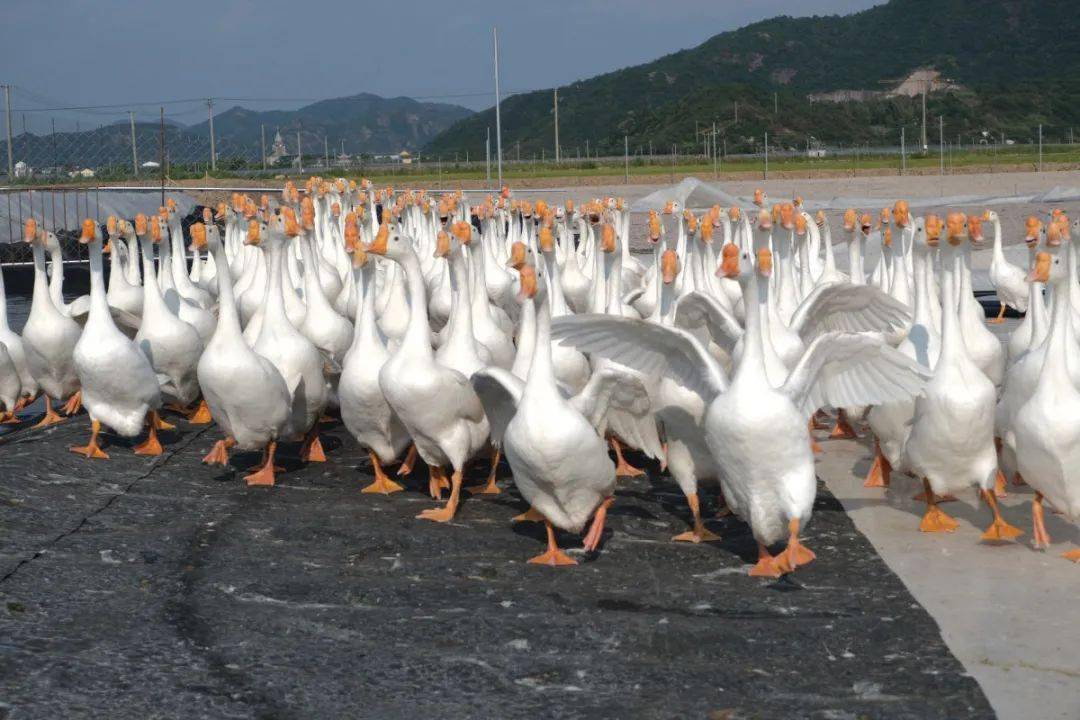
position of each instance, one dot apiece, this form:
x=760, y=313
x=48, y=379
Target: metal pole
x=326, y=151
x=56, y=167
x=716, y=154
x=556, y=125
x=487, y=156
x=941, y=143
x=498, y=117
x=134, y=153
x=1040, y=147
x=161, y=154
x=626, y=156
x=299, y=153
x=903, y=155
x=7, y=115
x=766, y=154
x=213, y=149
x=262, y=144
x=924, y=145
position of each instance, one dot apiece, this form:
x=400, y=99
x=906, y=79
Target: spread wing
x=611, y=387
x=499, y=391
x=844, y=307
x=651, y=349
x=697, y=309
x=850, y=369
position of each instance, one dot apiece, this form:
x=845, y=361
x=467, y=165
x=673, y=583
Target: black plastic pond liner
x=136, y=588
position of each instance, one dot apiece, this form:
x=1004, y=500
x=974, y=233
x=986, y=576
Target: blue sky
x=95, y=52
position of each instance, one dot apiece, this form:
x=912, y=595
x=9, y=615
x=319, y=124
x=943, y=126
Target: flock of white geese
x=455, y=332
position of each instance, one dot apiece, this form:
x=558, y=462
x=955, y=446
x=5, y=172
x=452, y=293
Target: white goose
x=49, y=338
x=1009, y=281
x=172, y=346
x=951, y=445
x=246, y=394
x=119, y=387
x=1048, y=424
x=13, y=345
x=364, y=410
x=437, y=405
x=756, y=432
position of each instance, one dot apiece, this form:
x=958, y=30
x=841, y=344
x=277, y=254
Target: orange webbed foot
x=843, y=429
x=1073, y=555
x=592, y=540
x=697, y=536
x=442, y=515
x=74, y=404
x=312, y=449
x=202, y=415
x=382, y=484
x=935, y=520
x=91, y=450
x=410, y=461
x=1001, y=531
x=767, y=566
x=552, y=558
x=219, y=454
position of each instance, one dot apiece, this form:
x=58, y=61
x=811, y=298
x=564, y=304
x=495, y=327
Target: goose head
x=1032, y=230
x=760, y=198
x=975, y=231
x=608, y=242
x=198, y=236
x=90, y=232
x=787, y=216
x=956, y=228
x=518, y=252
x=669, y=266
x=528, y=283
x=851, y=219
x=1048, y=268
x=111, y=231
x=932, y=227
x=990, y=216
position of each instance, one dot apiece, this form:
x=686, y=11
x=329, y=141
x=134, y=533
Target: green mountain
x=1000, y=66
x=366, y=123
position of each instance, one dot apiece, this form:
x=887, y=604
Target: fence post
x=716, y=154
x=134, y=152
x=766, y=154
x=1040, y=147
x=299, y=153
x=903, y=154
x=213, y=150
x=626, y=156
x=941, y=143
x=262, y=145
x=161, y=155
x=7, y=115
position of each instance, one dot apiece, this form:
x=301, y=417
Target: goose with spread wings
x=757, y=431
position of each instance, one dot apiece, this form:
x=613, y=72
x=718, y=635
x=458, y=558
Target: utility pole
x=941, y=142
x=716, y=154
x=1040, y=147
x=299, y=153
x=7, y=116
x=487, y=156
x=925, y=147
x=134, y=154
x=498, y=117
x=775, y=104
x=213, y=150
x=161, y=154
x=766, y=154
x=903, y=155
x=262, y=145
x=736, y=112
x=556, y=125
x=626, y=156
x=53, y=138
x=326, y=151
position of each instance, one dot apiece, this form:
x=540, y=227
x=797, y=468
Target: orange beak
x=527, y=274
x=88, y=229
x=379, y=244
x=607, y=238
x=729, y=263
x=850, y=218
x=253, y=232
x=30, y=232
x=517, y=253
x=198, y=235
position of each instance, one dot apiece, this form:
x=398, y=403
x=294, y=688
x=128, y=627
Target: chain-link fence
x=176, y=140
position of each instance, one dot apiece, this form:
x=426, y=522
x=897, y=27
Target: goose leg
x=1000, y=316
x=935, y=520
x=530, y=515
x=553, y=556
x=999, y=530
x=700, y=533
x=74, y=404
x=447, y=512
x=436, y=482
x=219, y=454
x=92, y=449
x=264, y=474
x=596, y=531
x=1073, y=555
x=51, y=416
x=880, y=472
x=8, y=418
x=796, y=553
x=152, y=446
x=1041, y=538
x=410, y=461
x=312, y=449
x=382, y=483
x=767, y=565
x=623, y=468
x=1000, y=485
x=843, y=429
x=489, y=488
